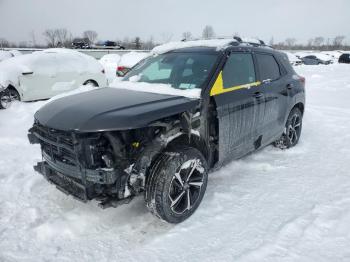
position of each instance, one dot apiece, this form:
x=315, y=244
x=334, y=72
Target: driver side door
x=238, y=108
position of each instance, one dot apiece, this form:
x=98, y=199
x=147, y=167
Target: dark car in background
x=114, y=143
x=344, y=58
x=81, y=43
x=109, y=45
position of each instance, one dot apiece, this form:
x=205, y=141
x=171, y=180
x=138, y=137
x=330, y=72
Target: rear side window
x=268, y=67
x=238, y=70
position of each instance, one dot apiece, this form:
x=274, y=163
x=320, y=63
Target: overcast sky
x=114, y=19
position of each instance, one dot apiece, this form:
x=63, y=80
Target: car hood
x=110, y=109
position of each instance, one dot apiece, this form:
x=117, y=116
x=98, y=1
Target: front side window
x=268, y=67
x=238, y=70
x=180, y=70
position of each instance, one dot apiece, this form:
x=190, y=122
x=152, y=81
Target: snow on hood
x=156, y=88
x=4, y=54
x=218, y=43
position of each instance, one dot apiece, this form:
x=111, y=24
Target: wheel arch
x=91, y=81
x=300, y=106
x=12, y=87
x=181, y=140
x=193, y=140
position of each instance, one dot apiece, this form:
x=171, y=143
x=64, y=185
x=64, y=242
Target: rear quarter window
x=268, y=67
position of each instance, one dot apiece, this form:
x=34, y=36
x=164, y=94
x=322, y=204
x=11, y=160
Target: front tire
x=5, y=100
x=292, y=132
x=176, y=184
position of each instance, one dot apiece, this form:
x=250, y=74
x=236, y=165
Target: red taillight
x=120, y=68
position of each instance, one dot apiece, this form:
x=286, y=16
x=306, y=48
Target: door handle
x=290, y=86
x=258, y=95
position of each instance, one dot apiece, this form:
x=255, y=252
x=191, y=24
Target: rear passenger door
x=236, y=106
x=274, y=86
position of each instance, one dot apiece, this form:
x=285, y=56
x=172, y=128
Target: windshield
x=180, y=70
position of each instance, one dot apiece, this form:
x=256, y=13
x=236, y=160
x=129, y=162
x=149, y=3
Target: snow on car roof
x=218, y=43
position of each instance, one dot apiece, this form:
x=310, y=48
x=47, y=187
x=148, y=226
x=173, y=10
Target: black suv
x=113, y=144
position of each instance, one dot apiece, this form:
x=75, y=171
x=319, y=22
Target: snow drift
x=273, y=205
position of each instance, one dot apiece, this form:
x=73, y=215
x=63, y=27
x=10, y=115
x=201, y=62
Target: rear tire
x=292, y=132
x=176, y=184
x=7, y=97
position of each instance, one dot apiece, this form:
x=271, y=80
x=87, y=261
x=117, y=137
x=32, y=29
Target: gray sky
x=114, y=19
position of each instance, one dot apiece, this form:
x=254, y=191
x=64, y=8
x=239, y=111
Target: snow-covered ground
x=273, y=205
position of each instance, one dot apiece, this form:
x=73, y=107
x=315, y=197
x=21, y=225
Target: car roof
x=209, y=45
x=214, y=50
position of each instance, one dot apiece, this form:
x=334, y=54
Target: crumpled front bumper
x=64, y=183
x=73, y=179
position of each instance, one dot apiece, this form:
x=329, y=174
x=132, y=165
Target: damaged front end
x=87, y=166
x=107, y=166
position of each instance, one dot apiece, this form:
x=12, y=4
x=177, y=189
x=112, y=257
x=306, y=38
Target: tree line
x=62, y=37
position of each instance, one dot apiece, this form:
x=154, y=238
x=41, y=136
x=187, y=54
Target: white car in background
x=4, y=54
x=110, y=63
x=118, y=65
x=44, y=74
x=128, y=60
x=293, y=59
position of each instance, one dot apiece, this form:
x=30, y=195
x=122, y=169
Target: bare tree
x=290, y=42
x=91, y=35
x=310, y=42
x=23, y=44
x=318, y=41
x=64, y=37
x=51, y=37
x=137, y=43
x=4, y=43
x=338, y=40
x=33, y=38
x=148, y=45
x=58, y=37
x=208, y=32
x=187, y=35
